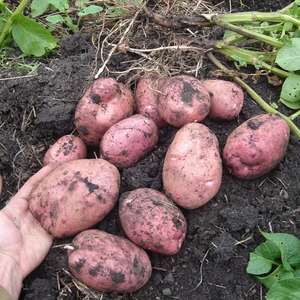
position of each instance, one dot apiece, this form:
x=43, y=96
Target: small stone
x=167, y=292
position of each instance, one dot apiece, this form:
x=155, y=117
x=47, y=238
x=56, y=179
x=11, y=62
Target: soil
x=38, y=108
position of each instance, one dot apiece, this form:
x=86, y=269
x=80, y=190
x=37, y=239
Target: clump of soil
x=37, y=109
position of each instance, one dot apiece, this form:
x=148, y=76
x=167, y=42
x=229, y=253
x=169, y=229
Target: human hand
x=23, y=242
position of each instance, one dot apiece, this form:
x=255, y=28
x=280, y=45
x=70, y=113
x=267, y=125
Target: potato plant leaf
x=288, y=57
x=291, y=105
x=289, y=246
x=31, y=37
x=277, y=261
x=286, y=289
x=290, y=90
x=263, y=258
x=278, y=274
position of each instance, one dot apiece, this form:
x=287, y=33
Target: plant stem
x=246, y=32
x=295, y=115
x=264, y=105
x=9, y=21
x=254, y=58
x=253, y=16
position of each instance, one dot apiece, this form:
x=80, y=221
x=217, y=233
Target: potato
x=146, y=95
x=104, y=104
x=108, y=263
x=129, y=140
x=183, y=99
x=68, y=147
x=192, y=170
x=256, y=146
x=152, y=221
x=227, y=99
x=75, y=196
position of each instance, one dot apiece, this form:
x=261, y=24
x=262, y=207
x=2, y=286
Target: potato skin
x=227, y=99
x=129, y=140
x=75, y=196
x=192, y=170
x=152, y=221
x=108, y=263
x=183, y=100
x=104, y=104
x=146, y=97
x=68, y=147
x=256, y=146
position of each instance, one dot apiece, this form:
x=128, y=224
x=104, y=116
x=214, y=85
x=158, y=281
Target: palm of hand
x=22, y=239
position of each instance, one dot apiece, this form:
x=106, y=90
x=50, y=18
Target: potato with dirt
x=183, y=99
x=192, y=170
x=108, y=263
x=75, y=196
x=128, y=141
x=68, y=147
x=227, y=99
x=146, y=97
x=152, y=221
x=257, y=146
x=104, y=104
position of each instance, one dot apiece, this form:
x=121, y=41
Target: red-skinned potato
x=256, y=146
x=129, y=140
x=227, y=99
x=75, y=196
x=146, y=95
x=104, y=104
x=68, y=147
x=152, y=221
x=183, y=99
x=108, y=263
x=192, y=170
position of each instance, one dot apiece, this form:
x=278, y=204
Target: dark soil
x=36, y=110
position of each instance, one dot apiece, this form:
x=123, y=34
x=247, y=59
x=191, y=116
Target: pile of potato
x=125, y=127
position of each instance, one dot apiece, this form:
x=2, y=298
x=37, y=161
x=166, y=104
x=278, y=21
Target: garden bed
x=38, y=108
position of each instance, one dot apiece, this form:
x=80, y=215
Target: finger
x=26, y=189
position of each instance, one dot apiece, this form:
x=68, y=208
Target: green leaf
x=289, y=246
x=286, y=289
x=278, y=274
x=90, y=10
x=81, y=3
x=31, y=37
x=262, y=259
x=69, y=22
x=54, y=19
x=290, y=90
x=291, y=105
x=61, y=5
x=288, y=57
x=38, y=7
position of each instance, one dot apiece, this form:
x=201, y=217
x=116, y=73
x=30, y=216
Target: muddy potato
x=108, y=263
x=75, y=196
x=104, y=104
x=192, y=170
x=68, y=147
x=183, y=99
x=129, y=140
x=256, y=146
x=146, y=96
x=227, y=99
x=152, y=221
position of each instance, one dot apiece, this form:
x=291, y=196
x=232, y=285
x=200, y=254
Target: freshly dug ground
x=36, y=109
